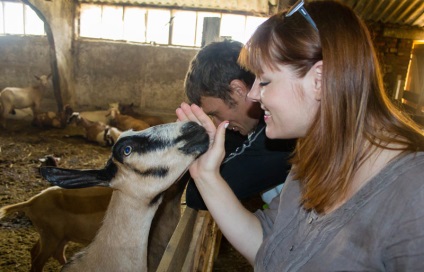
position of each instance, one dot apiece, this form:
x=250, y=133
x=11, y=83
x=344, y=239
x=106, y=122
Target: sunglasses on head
x=299, y=6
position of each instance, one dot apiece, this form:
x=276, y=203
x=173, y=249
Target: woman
x=353, y=199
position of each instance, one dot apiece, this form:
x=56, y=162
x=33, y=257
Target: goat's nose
x=195, y=137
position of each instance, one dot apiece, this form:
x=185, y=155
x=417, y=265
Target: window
x=200, y=18
x=135, y=24
x=131, y=23
x=158, y=23
x=160, y=26
x=183, y=27
x=13, y=18
x=33, y=24
x=112, y=26
x=19, y=19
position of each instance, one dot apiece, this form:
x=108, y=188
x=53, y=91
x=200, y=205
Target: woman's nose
x=254, y=93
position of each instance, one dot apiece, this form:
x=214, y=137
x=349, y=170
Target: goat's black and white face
x=143, y=163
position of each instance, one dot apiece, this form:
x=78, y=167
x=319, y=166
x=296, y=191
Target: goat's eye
x=127, y=150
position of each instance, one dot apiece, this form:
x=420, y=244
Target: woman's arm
x=242, y=229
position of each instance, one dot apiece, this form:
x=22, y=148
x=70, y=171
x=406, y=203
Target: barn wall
x=151, y=77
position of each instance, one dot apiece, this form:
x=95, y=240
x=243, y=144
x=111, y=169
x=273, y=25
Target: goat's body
x=12, y=98
x=125, y=122
x=51, y=119
x=95, y=116
x=60, y=216
x=128, y=109
x=20, y=98
x=143, y=165
x=98, y=115
x=94, y=131
x=129, y=240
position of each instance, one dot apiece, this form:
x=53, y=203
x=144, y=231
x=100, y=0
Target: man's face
x=243, y=117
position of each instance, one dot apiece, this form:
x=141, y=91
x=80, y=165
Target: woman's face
x=290, y=103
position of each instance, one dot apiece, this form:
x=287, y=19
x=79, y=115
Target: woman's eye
x=263, y=84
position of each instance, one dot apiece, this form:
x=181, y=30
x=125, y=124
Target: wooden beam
x=408, y=34
x=175, y=253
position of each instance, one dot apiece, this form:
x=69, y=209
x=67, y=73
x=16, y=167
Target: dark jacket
x=252, y=165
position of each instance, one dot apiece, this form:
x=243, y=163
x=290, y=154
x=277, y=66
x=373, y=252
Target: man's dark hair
x=212, y=70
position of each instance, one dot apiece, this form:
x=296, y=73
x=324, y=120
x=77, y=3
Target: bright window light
x=135, y=24
x=183, y=27
x=199, y=29
x=13, y=18
x=158, y=21
x=232, y=26
x=1, y=18
x=33, y=24
x=112, y=23
x=252, y=24
x=90, y=20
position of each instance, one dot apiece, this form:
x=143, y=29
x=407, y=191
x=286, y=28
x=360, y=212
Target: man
x=219, y=85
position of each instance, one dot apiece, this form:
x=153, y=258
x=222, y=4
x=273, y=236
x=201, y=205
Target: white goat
x=143, y=165
x=125, y=122
x=99, y=115
x=94, y=131
x=12, y=98
x=113, y=134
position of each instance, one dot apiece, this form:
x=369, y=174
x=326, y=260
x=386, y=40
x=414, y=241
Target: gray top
x=381, y=228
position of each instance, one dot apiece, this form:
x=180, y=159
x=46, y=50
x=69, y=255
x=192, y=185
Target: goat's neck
x=125, y=231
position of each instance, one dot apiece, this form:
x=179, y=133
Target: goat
x=128, y=109
x=113, y=134
x=61, y=216
x=94, y=131
x=12, y=98
x=52, y=119
x=143, y=165
x=98, y=115
x=125, y=122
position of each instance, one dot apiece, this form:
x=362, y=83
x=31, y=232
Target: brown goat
x=94, y=131
x=128, y=109
x=125, y=122
x=52, y=119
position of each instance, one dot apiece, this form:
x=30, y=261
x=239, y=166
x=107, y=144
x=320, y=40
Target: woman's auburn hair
x=355, y=108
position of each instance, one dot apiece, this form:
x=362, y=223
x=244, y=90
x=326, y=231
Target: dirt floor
x=21, y=148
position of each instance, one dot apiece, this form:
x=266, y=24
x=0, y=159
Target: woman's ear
x=317, y=76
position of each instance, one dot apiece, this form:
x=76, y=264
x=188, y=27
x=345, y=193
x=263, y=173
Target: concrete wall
x=151, y=77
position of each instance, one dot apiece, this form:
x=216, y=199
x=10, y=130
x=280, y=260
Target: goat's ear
x=73, y=178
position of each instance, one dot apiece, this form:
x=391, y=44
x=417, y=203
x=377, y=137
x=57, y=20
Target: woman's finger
x=181, y=116
x=186, y=108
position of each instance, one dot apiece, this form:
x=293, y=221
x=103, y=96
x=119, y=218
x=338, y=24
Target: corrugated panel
x=257, y=6
x=409, y=12
x=402, y=12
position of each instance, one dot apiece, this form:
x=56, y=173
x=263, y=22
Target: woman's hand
x=208, y=164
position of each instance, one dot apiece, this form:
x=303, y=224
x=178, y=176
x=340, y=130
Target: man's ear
x=317, y=76
x=239, y=88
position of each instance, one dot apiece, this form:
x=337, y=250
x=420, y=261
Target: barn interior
x=137, y=53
